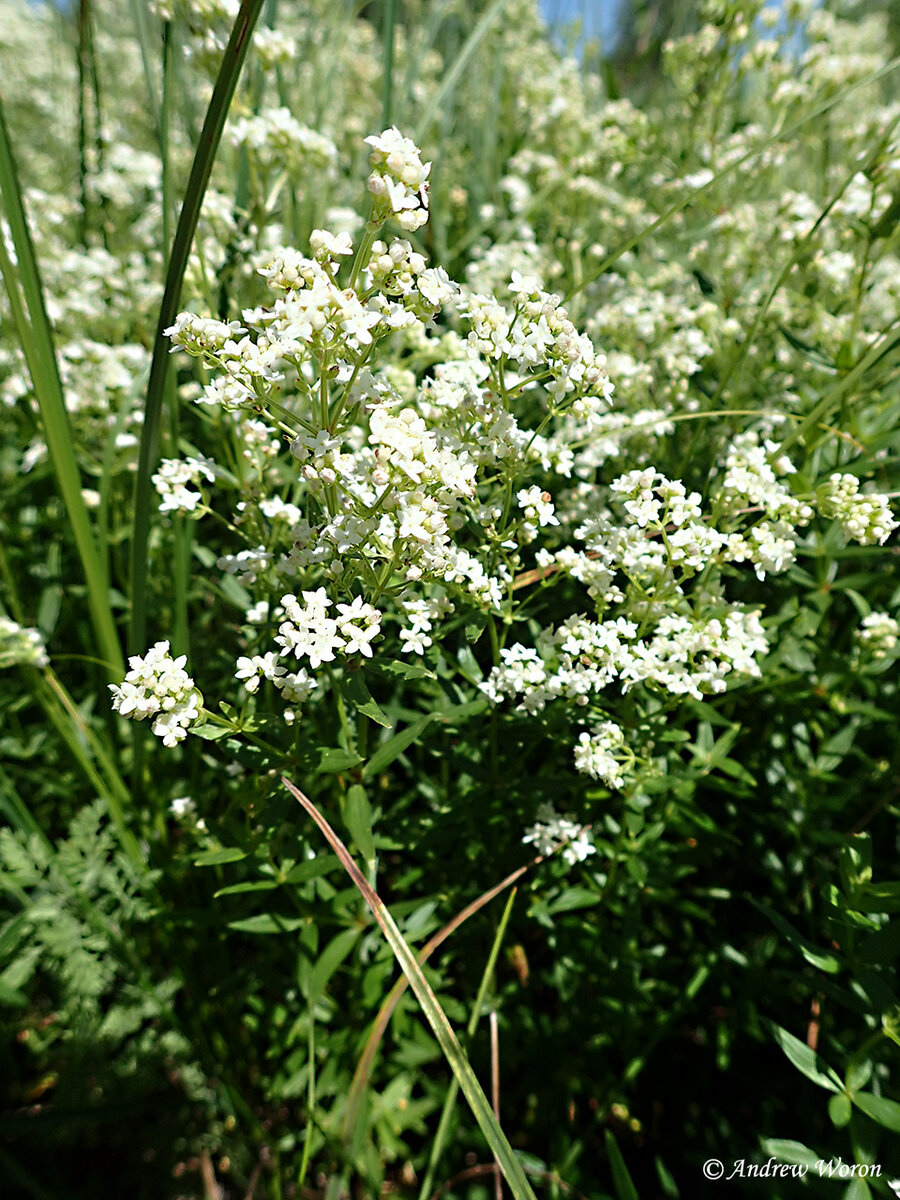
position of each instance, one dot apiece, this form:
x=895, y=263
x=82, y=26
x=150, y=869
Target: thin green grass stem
x=232, y=62
x=440, y=1137
x=387, y=95
x=439, y=101
x=446, y=1038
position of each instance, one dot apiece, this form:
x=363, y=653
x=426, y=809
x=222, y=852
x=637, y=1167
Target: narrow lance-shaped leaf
x=36, y=336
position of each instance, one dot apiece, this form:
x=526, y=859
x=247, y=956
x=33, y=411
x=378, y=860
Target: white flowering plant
x=512, y=473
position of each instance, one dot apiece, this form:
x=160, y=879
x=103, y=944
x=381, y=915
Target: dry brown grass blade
x=367, y=1058
x=446, y=1038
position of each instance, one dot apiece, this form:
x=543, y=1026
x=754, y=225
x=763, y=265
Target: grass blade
x=438, y=101
x=437, y=1145
x=387, y=95
x=210, y=136
x=380, y=1024
x=33, y=325
x=453, y=1051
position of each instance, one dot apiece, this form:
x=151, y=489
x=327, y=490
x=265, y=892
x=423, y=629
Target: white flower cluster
x=751, y=480
x=173, y=477
x=295, y=686
x=204, y=335
x=536, y=332
x=878, y=635
x=865, y=517
x=309, y=629
x=685, y=655
x=595, y=753
x=21, y=646
x=158, y=686
x=399, y=181
x=551, y=832
x=422, y=614
x=276, y=136
x=398, y=270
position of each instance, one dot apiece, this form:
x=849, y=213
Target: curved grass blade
x=379, y=1026
x=437, y=1146
x=26, y=297
x=453, y=1051
x=210, y=136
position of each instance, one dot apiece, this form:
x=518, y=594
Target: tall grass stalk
x=26, y=298
x=440, y=1137
x=211, y=134
x=439, y=100
x=447, y=1039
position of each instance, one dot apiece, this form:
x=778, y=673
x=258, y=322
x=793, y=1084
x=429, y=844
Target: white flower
x=538, y=506
x=866, y=517
x=21, y=647
x=399, y=180
x=250, y=671
x=878, y=634
x=594, y=754
x=158, y=686
x=551, y=831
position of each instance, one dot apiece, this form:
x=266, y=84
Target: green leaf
x=330, y=959
x=267, y=923
x=210, y=732
x=805, y=1059
x=789, y=1152
x=404, y=670
x=355, y=691
x=825, y=961
x=257, y=885
x=883, y=1111
x=395, y=746
x=334, y=761
x=573, y=898
x=875, y=897
x=858, y=1074
x=840, y=1110
x=625, y=1189
x=858, y=1190
x=358, y=819
x=215, y=858
x=320, y=865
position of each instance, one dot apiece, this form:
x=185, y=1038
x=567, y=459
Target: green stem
x=440, y=1137
x=211, y=135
